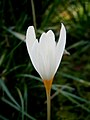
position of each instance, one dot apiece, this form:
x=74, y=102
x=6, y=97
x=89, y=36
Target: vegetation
x=22, y=94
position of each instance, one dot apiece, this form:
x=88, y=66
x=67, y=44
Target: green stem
x=33, y=13
x=48, y=84
x=48, y=105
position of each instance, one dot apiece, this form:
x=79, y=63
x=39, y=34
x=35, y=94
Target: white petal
x=60, y=46
x=47, y=37
x=47, y=54
x=30, y=38
x=35, y=58
x=47, y=42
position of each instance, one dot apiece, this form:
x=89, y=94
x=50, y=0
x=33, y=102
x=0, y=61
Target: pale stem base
x=48, y=106
x=48, y=84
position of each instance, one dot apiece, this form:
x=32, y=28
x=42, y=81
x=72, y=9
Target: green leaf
x=8, y=93
x=75, y=78
x=18, y=109
x=22, y=102
x=74, y=101
x=16, y=34
x=3, y=118
x=29, y=76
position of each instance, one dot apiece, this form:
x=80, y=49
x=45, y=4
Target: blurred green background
x=22, y=94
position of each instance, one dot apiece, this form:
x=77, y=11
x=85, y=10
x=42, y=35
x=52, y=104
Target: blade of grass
x=73, y=98
x=75, y=78
x=8, y=93
x=12, y=69
x=74, y=101
x=16, y=34
x=50, y=12
x=33, y=13
x=72, y=95
x=80, y=43
x=14, y=48
x=18, y=109
x=29, y=76
x=3, y=118
x=77, y=97
x=22, y=102
x=63, y=87
x=25, y=97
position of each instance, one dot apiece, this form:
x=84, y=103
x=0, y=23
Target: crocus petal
x=47, y=53
x=60, y=46
x=37, y=60
x=30, y=38
x=35, y=57
x=43, y=55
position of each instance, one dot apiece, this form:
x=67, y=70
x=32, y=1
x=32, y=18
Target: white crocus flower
x=45, y=54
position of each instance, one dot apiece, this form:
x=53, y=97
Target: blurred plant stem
x=33, y=13
x=48, y=84
x=48, y=105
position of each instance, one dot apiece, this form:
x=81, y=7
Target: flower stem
x=48, y=84
x=48, y=106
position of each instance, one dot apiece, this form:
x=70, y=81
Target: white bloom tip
x=46, y=54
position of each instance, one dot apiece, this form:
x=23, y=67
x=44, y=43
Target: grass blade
x=29, y=76
x=18, y=109
x=22, y=102
x=3, y=118
x=8, y=93
x=75, y=78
